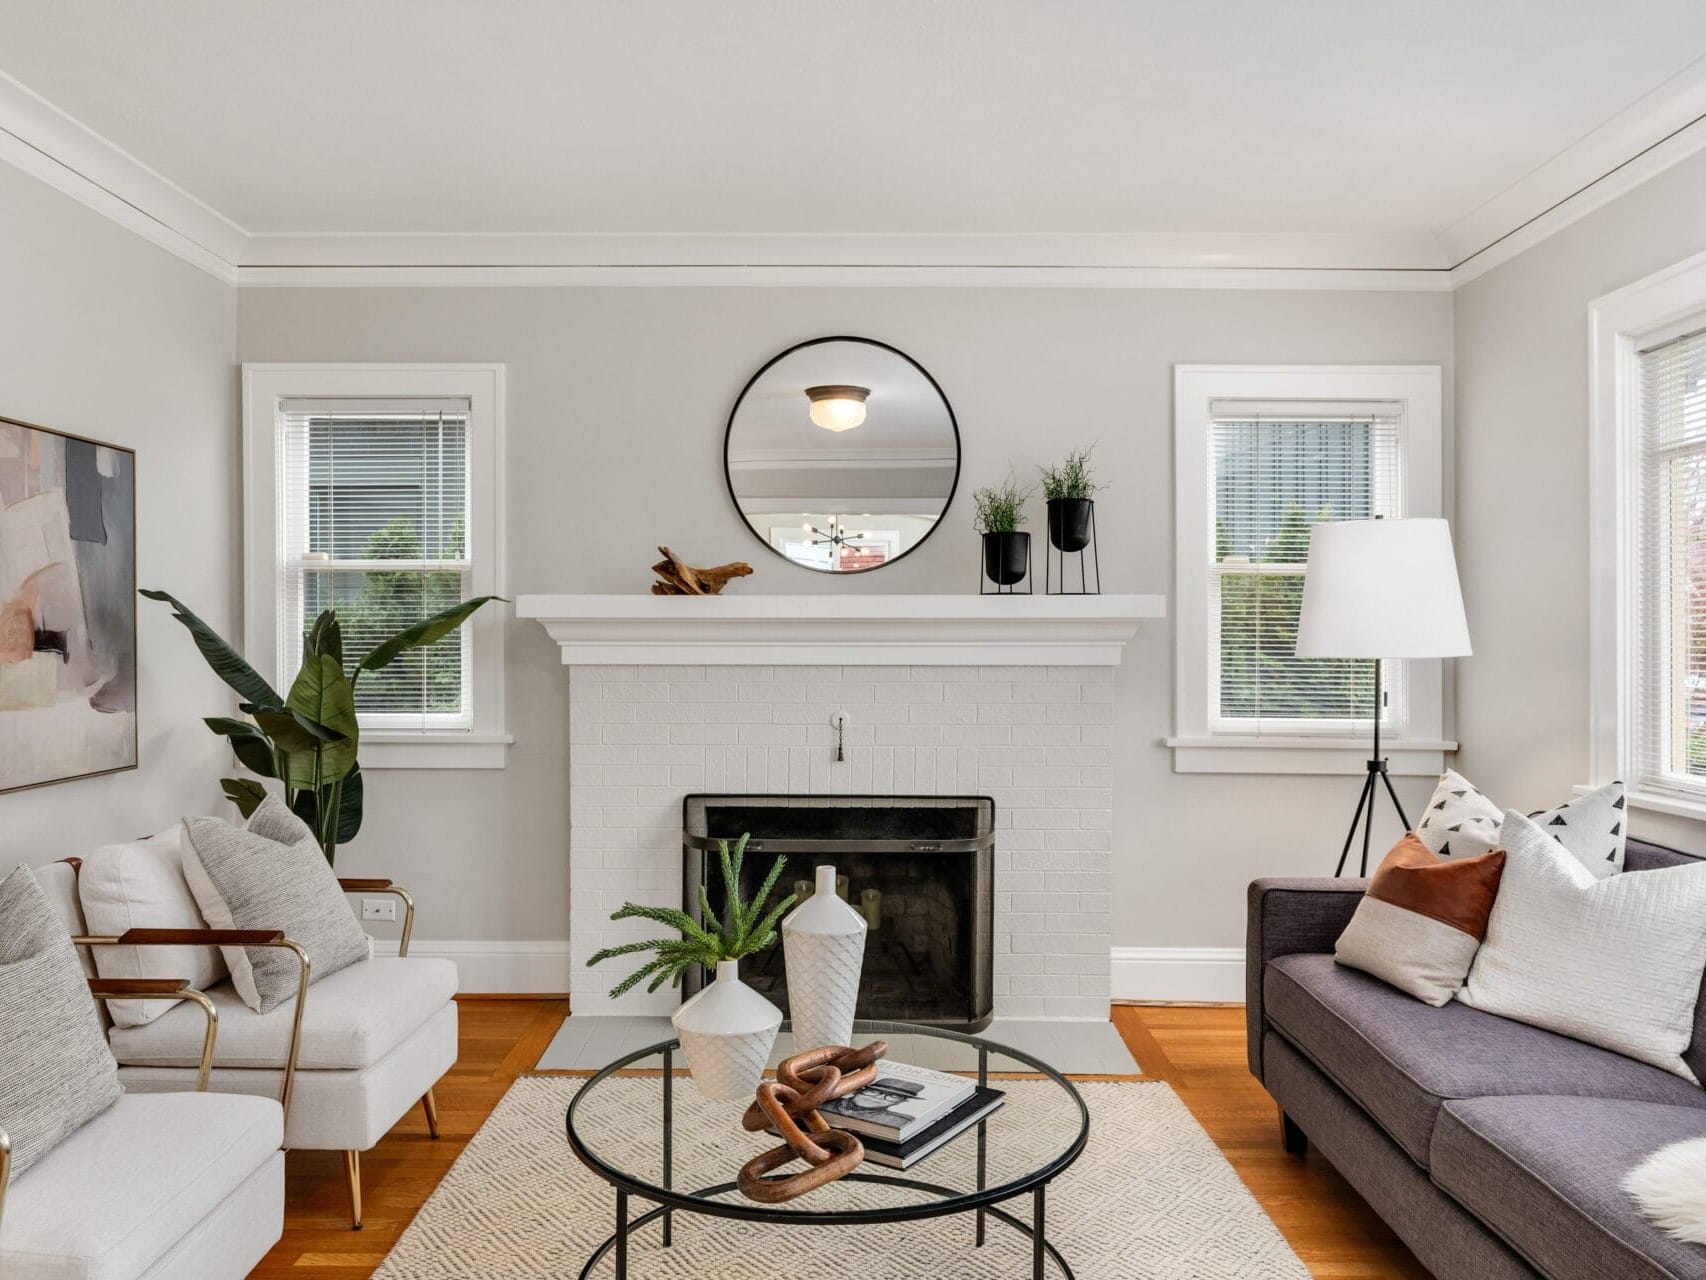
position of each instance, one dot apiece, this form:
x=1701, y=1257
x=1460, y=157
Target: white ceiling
x=917, y=118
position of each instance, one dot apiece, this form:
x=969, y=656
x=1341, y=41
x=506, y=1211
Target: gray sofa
x=1493, y=1149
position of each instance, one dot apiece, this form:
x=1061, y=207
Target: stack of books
x=907, y=1112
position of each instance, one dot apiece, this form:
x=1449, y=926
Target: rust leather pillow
x=1422, y=920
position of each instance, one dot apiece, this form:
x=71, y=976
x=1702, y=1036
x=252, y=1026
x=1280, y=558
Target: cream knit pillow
x=1613, y=962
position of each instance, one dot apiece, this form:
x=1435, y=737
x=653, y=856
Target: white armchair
x=165, y=1185
x=347, y=1057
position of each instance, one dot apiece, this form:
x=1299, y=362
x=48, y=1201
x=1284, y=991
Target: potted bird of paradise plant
x=309, y=738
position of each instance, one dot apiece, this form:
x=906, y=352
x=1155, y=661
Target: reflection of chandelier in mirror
x=838, y=407
x=840, y=541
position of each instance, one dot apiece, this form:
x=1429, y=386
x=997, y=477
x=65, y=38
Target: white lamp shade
x=1382, y=589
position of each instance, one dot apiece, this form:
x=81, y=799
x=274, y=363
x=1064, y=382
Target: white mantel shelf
x=843, y=630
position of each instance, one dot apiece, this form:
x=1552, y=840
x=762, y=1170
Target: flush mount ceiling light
x=838, y=407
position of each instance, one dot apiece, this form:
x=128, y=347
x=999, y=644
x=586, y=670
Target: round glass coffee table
x=640, y=1125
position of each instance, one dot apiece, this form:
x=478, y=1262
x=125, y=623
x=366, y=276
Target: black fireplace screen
x=920, y=869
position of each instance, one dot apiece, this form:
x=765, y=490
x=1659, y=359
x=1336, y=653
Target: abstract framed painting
x=67, y=607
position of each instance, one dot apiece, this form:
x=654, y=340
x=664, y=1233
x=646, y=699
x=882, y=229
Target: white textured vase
x=726, y=1034
x=824, y=940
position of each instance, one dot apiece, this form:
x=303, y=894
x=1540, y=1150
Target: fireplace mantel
x=841, y=630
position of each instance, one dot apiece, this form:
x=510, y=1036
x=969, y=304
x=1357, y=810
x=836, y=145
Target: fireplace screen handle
x=921, y=847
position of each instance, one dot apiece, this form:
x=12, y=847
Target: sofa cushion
x=353, y=1019
x=139, y=884
x=55, y=1071
x=1400, y=1059
x=116, y=1195
x=1544, y=1172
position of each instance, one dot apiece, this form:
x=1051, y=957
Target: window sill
x=1659, y=802
x=1226, y=753
x=398, y=749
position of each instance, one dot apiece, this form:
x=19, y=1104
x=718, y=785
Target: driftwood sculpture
x=788, y=1104
x=678, y=578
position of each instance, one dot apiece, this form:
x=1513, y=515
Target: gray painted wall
x=617, y=403
x=105, y=335
x=1522, y=490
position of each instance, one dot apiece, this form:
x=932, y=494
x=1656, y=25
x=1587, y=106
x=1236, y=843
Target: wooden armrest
x=138, y=986
x=203, y=937
x=363, y=886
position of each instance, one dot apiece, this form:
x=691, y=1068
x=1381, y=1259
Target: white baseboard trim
x=496, y=967
x=1214, y=974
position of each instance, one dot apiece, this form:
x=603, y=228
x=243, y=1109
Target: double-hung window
x=373, y=492
x=1264, y=455
x=1648, y=540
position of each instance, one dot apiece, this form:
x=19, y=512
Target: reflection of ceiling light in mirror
x=838, y=407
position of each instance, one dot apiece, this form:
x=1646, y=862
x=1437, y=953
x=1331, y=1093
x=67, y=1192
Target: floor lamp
x=1380, y=589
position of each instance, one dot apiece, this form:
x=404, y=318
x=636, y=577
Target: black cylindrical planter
x=1069, y=523
x=1006, y=557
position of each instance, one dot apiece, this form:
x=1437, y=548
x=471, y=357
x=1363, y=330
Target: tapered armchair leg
x=1291, y=1137
x=429, y=1104
x=352, y=1167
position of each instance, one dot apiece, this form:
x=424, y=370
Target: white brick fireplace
x=998, y=696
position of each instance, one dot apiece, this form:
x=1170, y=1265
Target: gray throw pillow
x=56, y=1072
x=271, y=875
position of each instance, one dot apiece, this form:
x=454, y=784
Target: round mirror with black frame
x=842, y=454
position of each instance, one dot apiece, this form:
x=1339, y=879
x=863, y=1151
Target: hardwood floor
x=1200, y=1052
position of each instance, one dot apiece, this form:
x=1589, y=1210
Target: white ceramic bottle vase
x=726, y=1034
x=824, y=940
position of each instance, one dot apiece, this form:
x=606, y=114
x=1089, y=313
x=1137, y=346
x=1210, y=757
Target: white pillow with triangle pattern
x=1461, y=822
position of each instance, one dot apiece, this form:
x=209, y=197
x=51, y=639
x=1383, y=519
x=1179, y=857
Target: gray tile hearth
x=1079, y=1048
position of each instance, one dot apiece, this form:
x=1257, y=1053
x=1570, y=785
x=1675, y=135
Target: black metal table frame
x=984, y=1201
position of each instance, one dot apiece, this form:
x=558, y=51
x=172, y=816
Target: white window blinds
x=1277, y=469
x=1668, y=712
x=373, y=502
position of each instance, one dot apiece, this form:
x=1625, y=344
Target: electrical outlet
x=378, y=908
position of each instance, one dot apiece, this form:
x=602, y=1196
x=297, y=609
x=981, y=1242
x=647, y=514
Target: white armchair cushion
x=118, y=1194
x=140, y=885
x=354, y=1018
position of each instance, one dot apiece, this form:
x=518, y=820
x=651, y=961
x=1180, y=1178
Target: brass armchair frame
x=272, y=938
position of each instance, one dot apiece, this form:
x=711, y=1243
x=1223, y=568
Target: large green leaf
x=245, y=793
x=324, y=695
x=227, y=664
x=326, y=637
x=294, y=732
x=349, y=810
x=252, y=746
x=424, y=632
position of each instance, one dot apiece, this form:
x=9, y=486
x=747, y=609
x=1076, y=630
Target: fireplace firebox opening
x=921, y=869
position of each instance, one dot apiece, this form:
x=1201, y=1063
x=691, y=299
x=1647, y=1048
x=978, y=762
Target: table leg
x=982, y=1139
x=668, y=1140
x=1037, y=1233
x=622, y=1235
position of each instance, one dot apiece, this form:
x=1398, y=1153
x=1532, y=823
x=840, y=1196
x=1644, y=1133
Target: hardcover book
x=900, y=1102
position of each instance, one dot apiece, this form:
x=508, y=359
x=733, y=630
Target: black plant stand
x=1063, y=541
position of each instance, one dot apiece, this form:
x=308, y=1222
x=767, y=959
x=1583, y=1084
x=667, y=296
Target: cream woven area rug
x=1150, y=1198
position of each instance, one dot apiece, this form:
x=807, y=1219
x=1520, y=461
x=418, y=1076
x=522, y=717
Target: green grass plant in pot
x=309, y=738
x=728, y=1029
x=1069, y=490
x=1000, y=518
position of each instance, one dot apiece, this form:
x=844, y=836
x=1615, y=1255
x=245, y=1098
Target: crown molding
x=1654, y=133
x=43, y=141
x=890, y=277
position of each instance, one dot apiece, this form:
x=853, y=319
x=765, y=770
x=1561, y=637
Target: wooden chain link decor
x=789, y=1103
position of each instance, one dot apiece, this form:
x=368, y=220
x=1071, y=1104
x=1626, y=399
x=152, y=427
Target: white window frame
x=1417, y=745
x=1619, y=325
x=266, y=387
